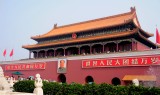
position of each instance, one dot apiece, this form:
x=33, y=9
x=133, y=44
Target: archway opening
x=89, y=79
x=116, y=81
x=50, y=53
x=111, y=47
x=125, y=46
x=97, y=48
x=41, y=54
x=60, y=52
x=62, y=78
x=85, y=50
x=72, y=51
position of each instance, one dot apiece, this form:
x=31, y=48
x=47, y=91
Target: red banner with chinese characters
x=31, y=66
x=122, y=61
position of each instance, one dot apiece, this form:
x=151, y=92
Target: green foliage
x=53, y=88
x=70, y=89
x=90, y=89
x=24, y=86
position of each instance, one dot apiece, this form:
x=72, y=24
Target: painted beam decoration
x=122, y=61
x=31, y=66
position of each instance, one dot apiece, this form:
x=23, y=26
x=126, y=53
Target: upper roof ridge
x=90, y=24
x=102, y=18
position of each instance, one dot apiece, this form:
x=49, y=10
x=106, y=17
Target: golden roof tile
x=92, y=24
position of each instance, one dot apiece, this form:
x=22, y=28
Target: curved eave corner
x=147, y=34
x=26, y=47
x=146, y=39
x=137, y=24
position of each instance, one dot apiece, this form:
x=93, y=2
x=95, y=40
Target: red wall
x=142, y=47
x=75, y=72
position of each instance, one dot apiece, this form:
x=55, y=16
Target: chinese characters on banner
x=122, y=61
x=33, y=66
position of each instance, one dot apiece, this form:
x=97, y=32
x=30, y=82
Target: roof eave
x=141, y=30
x=153, y=44
x=33, y=46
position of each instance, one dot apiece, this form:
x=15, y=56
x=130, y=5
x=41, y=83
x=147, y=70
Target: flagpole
x=4, y=58
x=4, y=54
x=156, y=38
x=156, y=46
x=156, y=35
x=12, y=58
x=11, y=55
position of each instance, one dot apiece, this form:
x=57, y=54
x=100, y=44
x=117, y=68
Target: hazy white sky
x=21, y=19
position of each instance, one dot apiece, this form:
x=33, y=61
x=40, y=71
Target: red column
x=64, y=51
x=90, y=49
x=117, y=47
x=103, y=48
x=132, y=46
x=54, y=52
x=37, y=54
x=79, y=50
x=45, y=53
x=136, y=45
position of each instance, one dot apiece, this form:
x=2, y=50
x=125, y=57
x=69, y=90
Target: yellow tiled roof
x=92, y=24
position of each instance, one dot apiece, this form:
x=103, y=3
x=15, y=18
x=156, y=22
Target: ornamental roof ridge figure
x=38, y=84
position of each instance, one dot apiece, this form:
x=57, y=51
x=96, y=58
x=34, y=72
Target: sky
x=21, y=19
